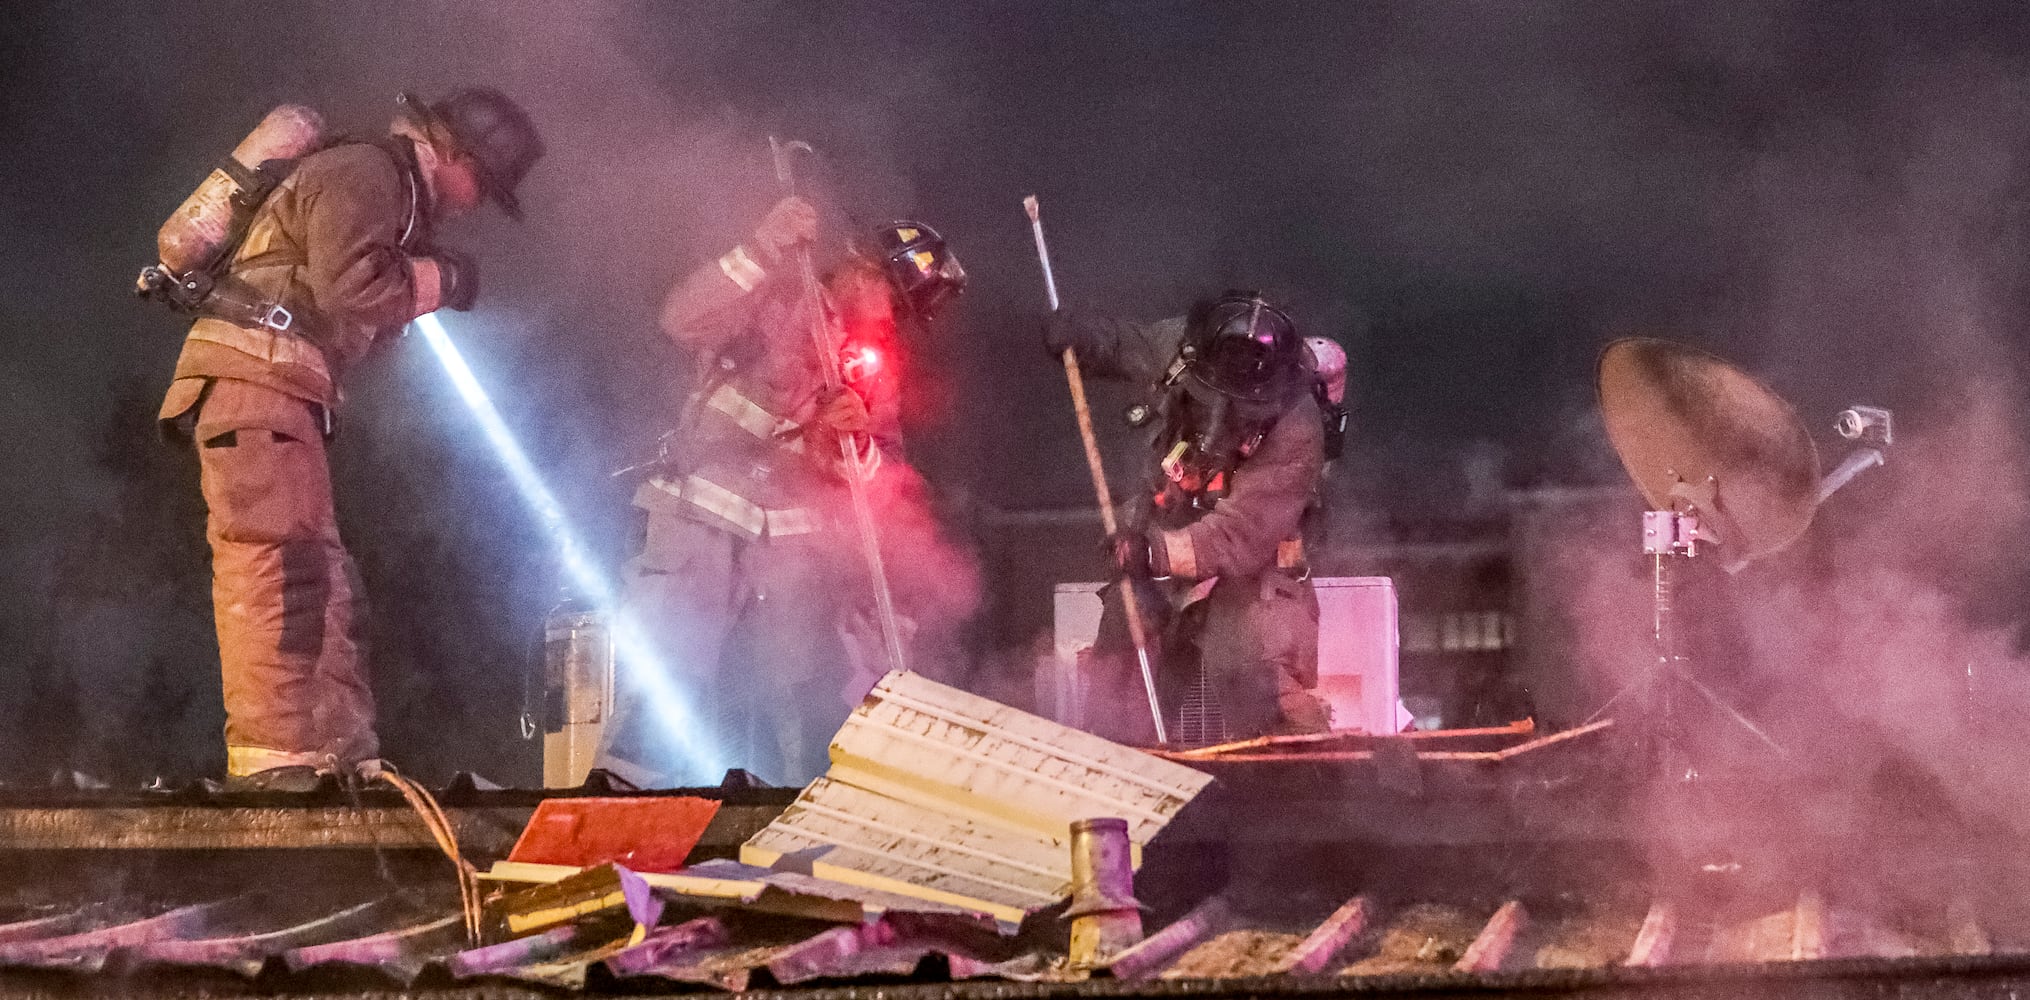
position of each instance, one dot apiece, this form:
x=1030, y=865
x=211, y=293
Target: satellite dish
x=1700, y=435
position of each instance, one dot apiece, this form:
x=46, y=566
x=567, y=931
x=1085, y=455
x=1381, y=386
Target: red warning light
x=861, y=362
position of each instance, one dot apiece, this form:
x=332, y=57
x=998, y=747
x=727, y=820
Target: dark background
x=1472, y=197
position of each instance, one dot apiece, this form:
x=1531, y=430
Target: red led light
x=861, y=362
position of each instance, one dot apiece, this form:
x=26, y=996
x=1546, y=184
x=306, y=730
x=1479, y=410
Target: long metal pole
x=849, y=452
x=1129, y=603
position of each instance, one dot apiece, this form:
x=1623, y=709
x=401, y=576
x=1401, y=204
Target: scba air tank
x=204, y=225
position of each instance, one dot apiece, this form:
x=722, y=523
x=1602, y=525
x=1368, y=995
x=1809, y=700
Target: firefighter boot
x=292, y=778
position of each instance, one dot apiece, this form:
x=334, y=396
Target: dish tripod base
x=1668, y=538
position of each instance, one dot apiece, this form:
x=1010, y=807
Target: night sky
x=1472, y=197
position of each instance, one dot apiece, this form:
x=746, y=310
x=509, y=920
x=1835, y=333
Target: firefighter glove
x=842, y=412
x=1060, y=334
x=792, y=221
x=461, y=279
x=1131, y=555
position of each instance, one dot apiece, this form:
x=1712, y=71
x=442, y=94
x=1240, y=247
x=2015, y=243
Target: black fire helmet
x=921, y=267
x=490, y=127
x=1245, y=349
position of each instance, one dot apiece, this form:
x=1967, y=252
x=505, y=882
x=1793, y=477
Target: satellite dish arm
x=1874, y=428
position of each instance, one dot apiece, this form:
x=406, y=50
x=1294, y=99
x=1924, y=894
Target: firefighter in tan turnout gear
x=1215, y=546
x=343, y=247
x=750, y=565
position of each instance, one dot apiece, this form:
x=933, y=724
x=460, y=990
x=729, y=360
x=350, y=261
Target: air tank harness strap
x=252, y=184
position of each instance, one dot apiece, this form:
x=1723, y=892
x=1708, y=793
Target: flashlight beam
x=630, y=646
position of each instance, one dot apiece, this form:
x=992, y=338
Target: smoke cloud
x=1882, y=652
x=1472, y=198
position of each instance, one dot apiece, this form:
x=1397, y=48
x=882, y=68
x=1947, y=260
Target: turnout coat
x=334, y=244
x=749, y=563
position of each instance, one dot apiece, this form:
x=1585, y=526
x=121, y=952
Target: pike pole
x=828, y=362
x=1130, y=605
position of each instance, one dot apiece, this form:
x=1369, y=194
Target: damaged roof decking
x=955, y=798
x=1367, y=921
x=1568, y=939
x=1405, y=945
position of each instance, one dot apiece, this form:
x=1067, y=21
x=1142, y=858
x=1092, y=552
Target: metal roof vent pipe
x=1105, y=918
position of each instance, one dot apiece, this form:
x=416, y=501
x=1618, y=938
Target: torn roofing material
x=1365, y=946
x=724, y=882
x=947, y=796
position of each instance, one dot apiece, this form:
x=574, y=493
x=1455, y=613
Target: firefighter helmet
x=1244, y=349
x=493, y=130
x=921, y=267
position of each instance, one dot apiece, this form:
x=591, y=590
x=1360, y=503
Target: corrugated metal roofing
x=942, y=794
x=1365, y=943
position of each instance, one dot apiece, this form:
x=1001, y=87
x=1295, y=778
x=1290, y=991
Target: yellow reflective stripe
x=266, y=345
x=739, y=511
x=748, y=414
x=742, y=269
x=1290, y=553
x=721, y=502
x=870, y=461
x=795, y=521
x=1178, y=549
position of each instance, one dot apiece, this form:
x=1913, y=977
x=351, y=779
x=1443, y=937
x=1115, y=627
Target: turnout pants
x=284, y=591
x=1255, y=639
x=747, y=638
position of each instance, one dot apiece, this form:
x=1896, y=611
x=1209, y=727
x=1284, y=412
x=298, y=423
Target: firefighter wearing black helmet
x=1214, y=542
x=344, y=246
x=747, y=576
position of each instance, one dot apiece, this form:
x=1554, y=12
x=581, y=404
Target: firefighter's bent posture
x=749, y=563
x=1238, y=452
x=344, y=245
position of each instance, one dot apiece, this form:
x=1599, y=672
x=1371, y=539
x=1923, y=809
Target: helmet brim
x=501, y=195
x=489, y=184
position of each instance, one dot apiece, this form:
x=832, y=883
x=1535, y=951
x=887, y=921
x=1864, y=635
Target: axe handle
x=1130, y=603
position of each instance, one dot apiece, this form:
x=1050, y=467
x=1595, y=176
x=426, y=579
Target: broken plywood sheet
x=947, y=796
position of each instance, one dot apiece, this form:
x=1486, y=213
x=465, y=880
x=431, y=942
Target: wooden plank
x=204, y=828
x=1553, y=739
x=1354, y=756
x=1520, y=727
x=1317, y=949
x=1653, y=942
x=171, y=826
x=1490, y=948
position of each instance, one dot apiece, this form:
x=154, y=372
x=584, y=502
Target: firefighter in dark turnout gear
x=344, y=244
x=1215, y=540
x=749, y=561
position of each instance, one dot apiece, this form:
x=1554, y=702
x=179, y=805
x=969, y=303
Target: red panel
x=642, y=834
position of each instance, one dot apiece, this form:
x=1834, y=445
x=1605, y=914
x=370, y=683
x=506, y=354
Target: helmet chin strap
x=429, y=159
